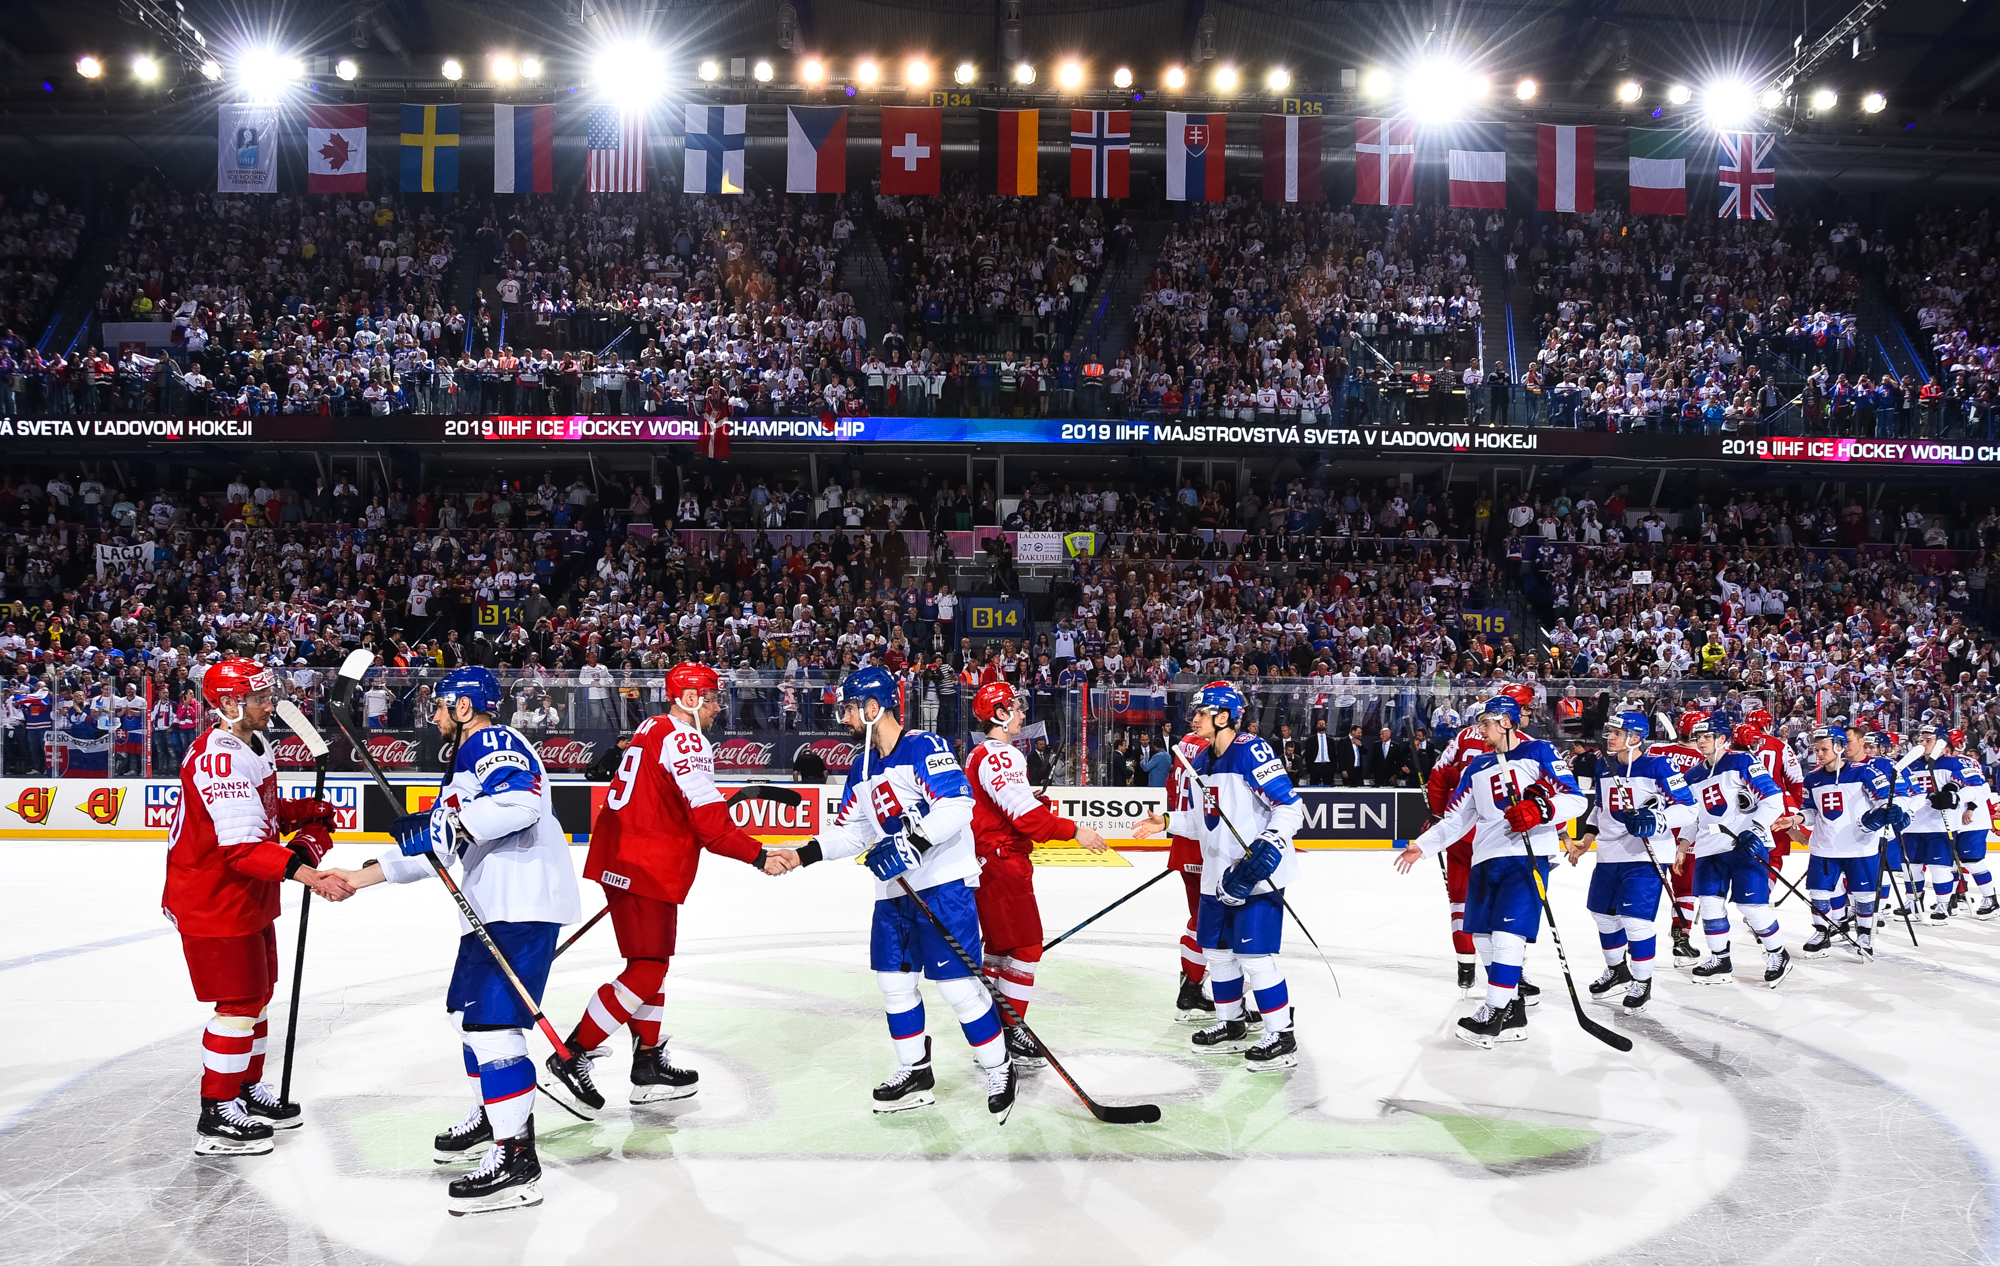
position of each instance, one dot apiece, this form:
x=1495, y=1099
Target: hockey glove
x=420, y=833
x=312, y=843
x=1747, y=800
x=893, y=856
x=1945, y=798
x=1258, y=865
x=1534, y=808
x=1643, y=823
x=293, y=814
x=1754, y=844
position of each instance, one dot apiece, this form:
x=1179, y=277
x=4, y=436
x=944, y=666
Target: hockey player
x=1682, y=757
x=224, y=865
x=1737, y=802
x=1247, y=816
x=1456, y=748
x=1878, y=752
x=909, y=808
x=1184, y=859
x=1640, y=798
x=1008, y=820
x=1847, y=808
x=661, y=810
x=1971, y=832
x=493, y=819
x=1782, y=763
x=1941, y=795
x=1515, y=799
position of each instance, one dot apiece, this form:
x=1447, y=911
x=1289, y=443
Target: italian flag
x=1658, y=172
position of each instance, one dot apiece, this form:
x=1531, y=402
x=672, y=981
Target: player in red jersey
x=661, y=810
x=224, y=865
x=1782, y=763
x=1457, y=749
x=1683, y=757
x=1184, y=859
x=1008, y=820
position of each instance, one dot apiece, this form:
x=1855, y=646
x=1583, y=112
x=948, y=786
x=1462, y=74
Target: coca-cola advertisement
x=745, y=756
x=392, y=751
x=567, y=753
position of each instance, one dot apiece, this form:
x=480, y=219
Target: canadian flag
x=337, y=149
x=1385, y=162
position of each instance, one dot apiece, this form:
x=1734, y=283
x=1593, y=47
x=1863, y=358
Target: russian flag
x=816, y=149
x=1139, y=707
x=1194, y=156
x=524, y=149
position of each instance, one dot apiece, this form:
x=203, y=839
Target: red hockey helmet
x=1685, y=722
x=1957, y=738
x=235, y=677
x=1760, y=718
x=1747, y=735
x=1521, y=693
x=993, y=698
x=688, y=675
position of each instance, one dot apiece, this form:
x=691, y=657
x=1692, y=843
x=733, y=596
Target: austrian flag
x=337, y=149
x=1566, y=168
x=1385, y=162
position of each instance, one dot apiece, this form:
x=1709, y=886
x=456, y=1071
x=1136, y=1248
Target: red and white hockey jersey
x=1007, y=815
x=1451, y=763
x=1782, y=763
x=662, y=809
x=224, y=861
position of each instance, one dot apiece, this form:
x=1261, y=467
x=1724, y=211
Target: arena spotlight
x=1825, y=99
x=1070, y=76
x=1480, y=86
x=346, y=69
x=1630, y=91
x=813, y=70
x=1225, y=79
x=1729, y=103
x=1773, y=98
x=211, y=69
x=1526, y=89
x=1375, y=84
x=917, y=73
x=1122, y=77
x=89, y=67
x=531, y=68
x=868, y=72
x=1436, y=90
x=1680, y=94
x=1278, y=80
x=265, y=74
x=1874, y=103
x=710, y=70
x=762, y=72
x=965, y=74
x=145, y=70
x=1175, y=78
x=631, y=72
x=454, y=69
x=1024, y=74
x=502, y=67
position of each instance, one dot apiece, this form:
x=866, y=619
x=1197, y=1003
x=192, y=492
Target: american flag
x=617, y=144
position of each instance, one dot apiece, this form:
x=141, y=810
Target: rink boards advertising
x=61, y=437
x=143, y=809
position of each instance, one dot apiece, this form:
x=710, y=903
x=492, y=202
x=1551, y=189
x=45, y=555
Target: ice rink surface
x=1848, y=1116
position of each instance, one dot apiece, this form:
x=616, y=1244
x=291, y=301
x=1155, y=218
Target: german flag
x=1007, y=147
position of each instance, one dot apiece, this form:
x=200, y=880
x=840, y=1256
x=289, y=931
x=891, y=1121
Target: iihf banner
x=246, y=159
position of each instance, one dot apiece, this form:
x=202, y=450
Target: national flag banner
x=1749, y=174
x=1385, y=162
x=1657, y=169
x=912, y=149
x=246, y=149
x=1476, y=157
x=816, y=149
x=1565, y=168
x=1139, y=705
x=430, y=148
x=1100, y=153
x=1291, y=158
x=336, y=149
x=1009, y=144
x=524, y=149
x=714, y=156
x=615, y=144
x=1194, y=156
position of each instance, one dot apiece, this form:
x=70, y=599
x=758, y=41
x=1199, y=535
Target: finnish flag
x=714, y=149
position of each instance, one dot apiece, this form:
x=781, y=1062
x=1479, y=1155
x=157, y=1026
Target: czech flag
x=816, y=149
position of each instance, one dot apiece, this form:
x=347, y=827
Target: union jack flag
x=1749, y=175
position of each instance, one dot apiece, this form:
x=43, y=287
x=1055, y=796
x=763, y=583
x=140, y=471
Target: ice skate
x=570, y=1085
x=1277, y=1052
x=508, y=1178
x=655, y=1080
x=262, y=1102
x=1606, y=988
x=1023, y=1050
x=1637, y=995
x=1716, y=970
x=1000, y=1083
x=1193, y=1006
x=1777, y=966
x=1229, y=1037
x=1486, y=1026
x=462, y=1142
x=911, y=1086
x=226, y=1129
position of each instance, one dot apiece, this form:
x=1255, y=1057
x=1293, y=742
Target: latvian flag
x=1007, y=151
x=1658, y=172
x=1749, y=174
x=524, y=149
x=1478, y=162
x=1291, y=158
x=1194, y=156
x=1385, y=162
x=816, y=149
x=1100, y=153
x=1566, y=168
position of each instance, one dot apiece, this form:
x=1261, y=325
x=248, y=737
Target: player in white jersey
x=1639, y=799
x=1737, y=804
x=1942, y=792
x=492, y=818
x=1241, y=806
x=1847, y=808
x=1515, y=800
x=1974, y=829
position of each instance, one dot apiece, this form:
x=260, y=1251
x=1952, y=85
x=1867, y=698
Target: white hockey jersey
x=1248, y=783
x=1720, y=794
x=1834, y=804
x=1647, y=782
x=1921, y=777
x=514, y=857
x=918, y=784
x=1487, y=788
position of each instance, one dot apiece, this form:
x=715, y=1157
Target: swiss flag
x=912, y=149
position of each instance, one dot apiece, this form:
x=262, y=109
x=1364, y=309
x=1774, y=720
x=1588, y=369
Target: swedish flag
x=430, y=149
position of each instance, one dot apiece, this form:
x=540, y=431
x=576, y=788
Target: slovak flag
x=1291, y=158
x=1749, y=175
x=1144, y=706
x=912, y=149
x=1100, y=153
x=816, y=149
x=1194, y=156
x=1385, y=162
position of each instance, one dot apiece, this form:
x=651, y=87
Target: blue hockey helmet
x=1931, y=729
x=1631, y=722
x=477, y=686
x=1832, y=733
x=1220, y=696
x=1876, y=739
x=1502, y=706
x=870, y=683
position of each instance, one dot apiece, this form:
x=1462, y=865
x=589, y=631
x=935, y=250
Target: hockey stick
x=1616, y=1041
x=1136, y=1114
x=315, y=742
x=1889, y=873
x=350, y=676
x=1243, y=844
x=1839, y=926
x=777, y=795
x=1106, y=910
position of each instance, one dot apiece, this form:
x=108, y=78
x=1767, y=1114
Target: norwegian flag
x=1385, y=162
x=1749, y=175
x=1100, y=153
